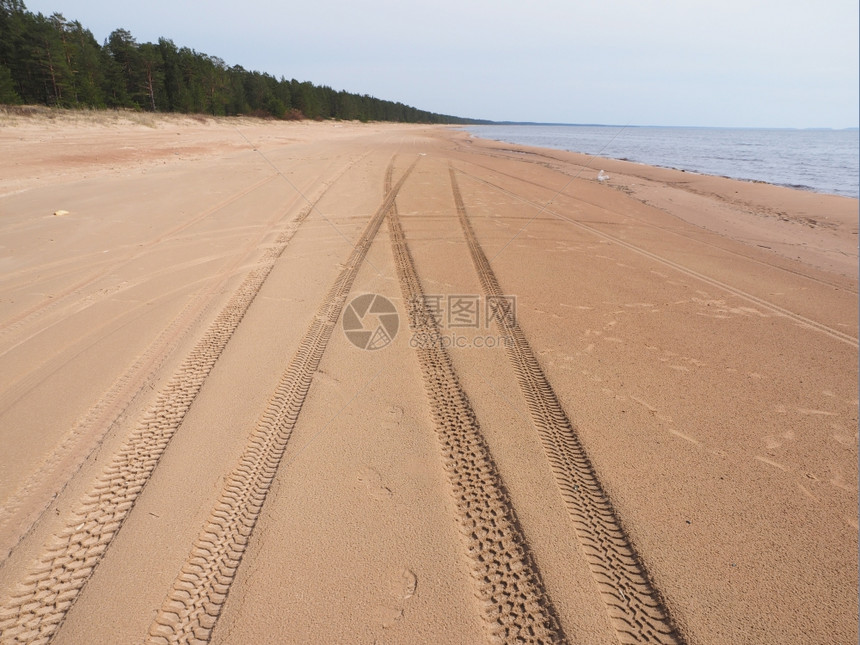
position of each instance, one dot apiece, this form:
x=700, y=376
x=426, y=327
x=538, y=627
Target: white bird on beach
x=602, y=176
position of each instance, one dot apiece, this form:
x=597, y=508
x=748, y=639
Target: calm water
x=826, y=161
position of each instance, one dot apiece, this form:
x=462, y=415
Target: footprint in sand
x=400, y=589
x=404, y=586
x=393, y=417
x=373, y=481
x=395, y=414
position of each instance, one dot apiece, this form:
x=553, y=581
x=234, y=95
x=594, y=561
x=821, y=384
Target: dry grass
x=12, y=115
x=15, y=115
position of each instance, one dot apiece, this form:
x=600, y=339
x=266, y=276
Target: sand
x=658, y=445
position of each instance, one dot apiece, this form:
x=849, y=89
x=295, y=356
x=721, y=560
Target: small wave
x=798, y=187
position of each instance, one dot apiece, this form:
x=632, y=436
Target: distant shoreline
x=674, y=127
x=818, y=160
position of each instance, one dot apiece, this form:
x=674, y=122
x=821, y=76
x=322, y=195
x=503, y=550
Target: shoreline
x=820, y=229
x=692, y=168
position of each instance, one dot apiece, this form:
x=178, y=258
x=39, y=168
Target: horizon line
x=618, y=125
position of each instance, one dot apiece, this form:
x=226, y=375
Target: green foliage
x=8, y=95
x=51, y=61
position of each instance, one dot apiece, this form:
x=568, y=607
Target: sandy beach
x=318, y=382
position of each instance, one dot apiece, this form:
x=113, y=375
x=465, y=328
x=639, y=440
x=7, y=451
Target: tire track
x=20, y=511
x=24, y=507
x=35, y=611
x=191, y=609
x=635, y=608
x=803, y=321
x=514, y=604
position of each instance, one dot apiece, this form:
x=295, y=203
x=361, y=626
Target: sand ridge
x=665, y=450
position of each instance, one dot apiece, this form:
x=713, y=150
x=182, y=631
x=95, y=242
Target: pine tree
x=56, y=62
x=86, y=65
x=150, y=91
x=8, y=95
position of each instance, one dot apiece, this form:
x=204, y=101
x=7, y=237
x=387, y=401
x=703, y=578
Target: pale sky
x=769, y=63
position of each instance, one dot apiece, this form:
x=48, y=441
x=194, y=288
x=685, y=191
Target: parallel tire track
x=23, y=508
x=515, y=606
x=34, y=612
x=803, y=321
x=635, y=608
x=191, y=609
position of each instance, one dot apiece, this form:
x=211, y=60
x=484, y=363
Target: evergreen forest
x=52, y=61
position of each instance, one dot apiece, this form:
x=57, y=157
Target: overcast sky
x=780, y=63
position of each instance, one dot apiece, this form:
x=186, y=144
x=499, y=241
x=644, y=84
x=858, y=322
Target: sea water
x=826, y=161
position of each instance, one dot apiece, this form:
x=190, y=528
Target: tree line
x=52, y=61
